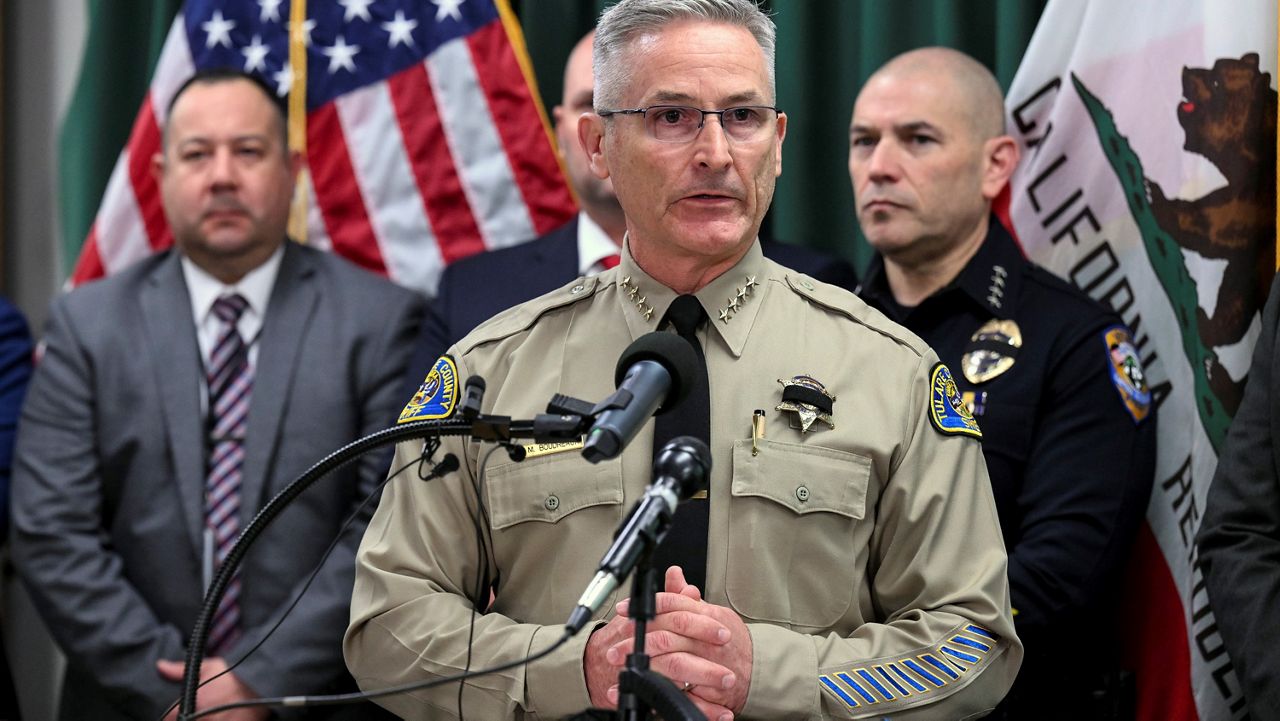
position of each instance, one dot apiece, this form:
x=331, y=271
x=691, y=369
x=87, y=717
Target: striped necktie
x=230, y=383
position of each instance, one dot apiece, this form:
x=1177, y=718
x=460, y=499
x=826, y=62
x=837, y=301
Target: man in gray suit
x=159, y=422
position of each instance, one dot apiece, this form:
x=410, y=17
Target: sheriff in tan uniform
x=865, y=557
x=854, y=568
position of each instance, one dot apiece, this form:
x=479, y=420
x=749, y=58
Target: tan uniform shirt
x=865, y=559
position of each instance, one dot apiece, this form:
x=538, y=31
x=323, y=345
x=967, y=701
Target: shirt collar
x=594, y=245
x=731, y=301
x=255, y=286
x=988, y=278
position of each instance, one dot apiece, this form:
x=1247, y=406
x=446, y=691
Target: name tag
x=533, y=450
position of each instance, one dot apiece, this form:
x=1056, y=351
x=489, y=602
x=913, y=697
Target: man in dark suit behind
x=476, y=288
x=174, y=399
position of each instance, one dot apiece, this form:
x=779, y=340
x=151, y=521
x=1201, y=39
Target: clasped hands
x=704, y=648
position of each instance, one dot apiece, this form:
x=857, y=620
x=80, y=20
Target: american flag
x=425, y=142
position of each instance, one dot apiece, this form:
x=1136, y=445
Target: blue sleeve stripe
x=970, y=643
x=968, y=658
x=908, y=678
x=940, y=666
x=911, y=664
x=848, y=680
x=835, y=688
x=980, y=631
x=871, y=680
x=880, y=670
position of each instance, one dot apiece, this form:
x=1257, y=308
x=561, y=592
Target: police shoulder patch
x=437, y=396
x=1126, y=372
x=946, y=408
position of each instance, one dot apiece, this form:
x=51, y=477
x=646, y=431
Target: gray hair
x=629, y=19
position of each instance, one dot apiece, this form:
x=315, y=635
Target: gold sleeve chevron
x=895, y=683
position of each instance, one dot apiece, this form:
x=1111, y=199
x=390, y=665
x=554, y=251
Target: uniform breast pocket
x=552, y=519
x=797, y=537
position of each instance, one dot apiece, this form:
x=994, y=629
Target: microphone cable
x=346, y=698
x=438, y=469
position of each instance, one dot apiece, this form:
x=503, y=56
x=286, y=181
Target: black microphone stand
x=641, y=690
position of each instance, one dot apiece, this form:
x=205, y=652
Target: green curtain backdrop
x=123, y=44
x=826, y=49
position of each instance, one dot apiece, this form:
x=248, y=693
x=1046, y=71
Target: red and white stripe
x=445, y=159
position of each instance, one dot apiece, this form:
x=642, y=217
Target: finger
x=666, y=603
x=680, y=632
x=675, y=583
x=713, y=711
x=170, y=670
x=693, y=669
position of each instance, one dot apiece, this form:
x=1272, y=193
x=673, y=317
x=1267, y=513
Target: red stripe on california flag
x=1155, y=637
x=89, y=263
x=1001, y=209
x=144, y=143
x=533, y=162
x=337, y=193
x=434, y=170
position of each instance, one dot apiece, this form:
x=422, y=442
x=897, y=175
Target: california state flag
x=1148, y=131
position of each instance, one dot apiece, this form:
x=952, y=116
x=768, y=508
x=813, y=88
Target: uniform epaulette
x=842, y=302
x=521, y=317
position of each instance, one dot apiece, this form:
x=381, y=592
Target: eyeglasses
x=681, y=124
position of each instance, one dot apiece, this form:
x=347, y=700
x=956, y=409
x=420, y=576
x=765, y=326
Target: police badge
x=808, y=399
x=992, y=350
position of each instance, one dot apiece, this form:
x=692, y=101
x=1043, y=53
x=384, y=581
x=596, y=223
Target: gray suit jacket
x=1239, y=538
x=108, y=484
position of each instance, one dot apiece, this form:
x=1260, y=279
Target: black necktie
x=686, y=543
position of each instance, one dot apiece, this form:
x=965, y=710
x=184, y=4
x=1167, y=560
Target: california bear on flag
x=1148, y=132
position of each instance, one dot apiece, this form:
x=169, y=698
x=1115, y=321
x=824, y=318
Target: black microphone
x=471, y=398
x=653, y=374
x=679, y=471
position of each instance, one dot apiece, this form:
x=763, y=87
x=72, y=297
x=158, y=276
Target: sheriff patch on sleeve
x=437, y=395
x=947, y=409
x=1126, y=372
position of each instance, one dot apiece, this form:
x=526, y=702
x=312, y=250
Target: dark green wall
x=826, y=49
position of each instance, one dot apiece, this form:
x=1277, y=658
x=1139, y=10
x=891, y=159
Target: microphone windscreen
x=670, y=351
x=686, y=460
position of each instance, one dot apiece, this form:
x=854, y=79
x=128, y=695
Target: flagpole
x=297, y=227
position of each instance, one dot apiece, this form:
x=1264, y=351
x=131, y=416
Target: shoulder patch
x=437, y=396
x=946, y=408
x=1126, y=372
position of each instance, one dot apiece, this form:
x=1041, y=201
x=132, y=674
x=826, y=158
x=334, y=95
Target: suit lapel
x=293, y=301
x=171, y=335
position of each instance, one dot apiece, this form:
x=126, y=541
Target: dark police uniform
x=1069, y=439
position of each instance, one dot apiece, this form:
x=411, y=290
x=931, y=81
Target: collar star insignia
x=808, y=398
x=738, y=301
x=641, y=302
